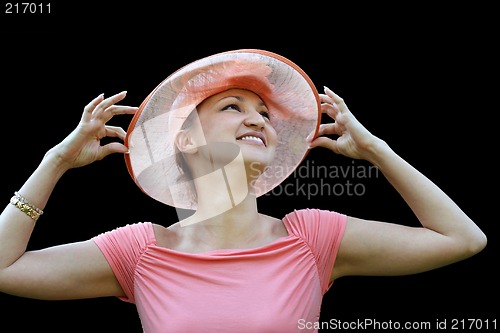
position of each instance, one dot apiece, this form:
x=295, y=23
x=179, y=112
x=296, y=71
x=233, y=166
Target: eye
x=231, y=107
x=264, y=114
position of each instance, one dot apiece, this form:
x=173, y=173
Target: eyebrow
x=239, y=98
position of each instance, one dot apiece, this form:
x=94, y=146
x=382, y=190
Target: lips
x=256, y=137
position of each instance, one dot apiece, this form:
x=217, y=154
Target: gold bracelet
x=25, y=206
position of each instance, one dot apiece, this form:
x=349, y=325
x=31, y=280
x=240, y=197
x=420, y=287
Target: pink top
x=277, y=287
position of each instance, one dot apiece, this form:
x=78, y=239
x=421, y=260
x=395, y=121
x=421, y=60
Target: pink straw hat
x=289, y=94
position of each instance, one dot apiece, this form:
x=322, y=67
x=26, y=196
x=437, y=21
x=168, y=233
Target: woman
x=209, y=140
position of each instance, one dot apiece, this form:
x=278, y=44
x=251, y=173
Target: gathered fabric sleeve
x=322, y=231
x=123, y=248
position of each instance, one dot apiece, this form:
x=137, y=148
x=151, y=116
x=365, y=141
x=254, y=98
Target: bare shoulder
x=276, y=226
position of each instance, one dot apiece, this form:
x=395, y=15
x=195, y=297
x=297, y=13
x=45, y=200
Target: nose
x=255, y=120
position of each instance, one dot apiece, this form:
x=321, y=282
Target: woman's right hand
x=83, y=145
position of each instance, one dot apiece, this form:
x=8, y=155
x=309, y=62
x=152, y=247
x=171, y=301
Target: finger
x=325, y=129
x=329, y=129
x=332, y=110
x=106, y=103
x=326, y=99
x=89, y=108
x=115, y=132
x=114, y=110
x=326, y=143
x=111, y=148
x=336, y=98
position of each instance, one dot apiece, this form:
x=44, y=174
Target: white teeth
x=252, y=138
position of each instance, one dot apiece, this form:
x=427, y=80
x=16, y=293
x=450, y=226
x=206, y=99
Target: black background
x=418, y=77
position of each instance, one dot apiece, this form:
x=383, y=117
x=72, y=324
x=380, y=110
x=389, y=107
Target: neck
x=223, y=205
x=223, y=189
x=238, y=225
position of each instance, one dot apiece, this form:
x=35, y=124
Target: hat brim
x=289, y=94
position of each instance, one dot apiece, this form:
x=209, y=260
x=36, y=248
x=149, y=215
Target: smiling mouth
x=252, y=139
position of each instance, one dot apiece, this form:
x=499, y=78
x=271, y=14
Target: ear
x=185, y=142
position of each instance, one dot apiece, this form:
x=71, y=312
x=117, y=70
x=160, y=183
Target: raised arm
x=76, y=270
x=446, y=234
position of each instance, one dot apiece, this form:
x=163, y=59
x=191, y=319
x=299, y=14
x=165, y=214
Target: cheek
x=210, y=127
x=272, y=137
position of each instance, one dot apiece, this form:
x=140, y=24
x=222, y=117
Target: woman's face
x=239, y=116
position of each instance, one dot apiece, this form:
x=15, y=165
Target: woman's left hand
x=353, y=139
